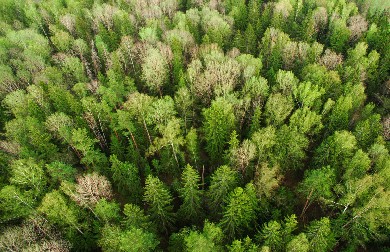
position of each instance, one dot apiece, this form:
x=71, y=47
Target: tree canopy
x=194, y=125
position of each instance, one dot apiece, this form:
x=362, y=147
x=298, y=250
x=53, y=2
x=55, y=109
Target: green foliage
x=28, y=175
x=358, y=165
x=240, y=211
x=192, y=144
x=85, y=144
x=251, y=40
x=191, y=195
x=286, y=82
x=256, y=89
x=340, y=116
x=135, y=217
x=360, y=67
x=133, y=239
x=367, y=130
x=243, y=245
x=271, y=48
x=107, y=211
x=335, y=149
x=31, y=135
x=160, y=202
x=251, y=67
x=59, y=211
x=275, y=235
x=272, y=235
x=277, y=108
x=320, y=235
x=306, y=121
x=219, y=123
x=290, y=148
x=216, y=28
x=73, y=68
x=223, y=181
x=116, y=117
x=126, y=177
x=308, y=95
x=339, y=35
x=318, y=184
x=59, y=172
x=328, y=80
x=238, y=10
x=265, y=140
x=14, y=204
x=209, y=240
x=299, y=243
x=170, y=141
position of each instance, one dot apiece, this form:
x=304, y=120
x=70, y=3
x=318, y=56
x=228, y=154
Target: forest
x=195, y=125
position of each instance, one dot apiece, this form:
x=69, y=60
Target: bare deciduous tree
x=243, y=155
x=69, y=21
x=320, y=17
x=155, y=70
x=331, y=60
x=357, y=25
x=91, y=188
x=217, y=76
x=267, y=179
x=283, y=8
x=386, y=128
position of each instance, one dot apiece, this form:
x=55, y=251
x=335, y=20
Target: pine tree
x=223, y=181
x=338, y=35
x=159, y=201
x=59, y=211
x=126, y=177
x=277, y=108
x=250, y=40
x=218, y=124
x=191, y=195
x=208, y=240
x=320, y=235
x=272, y=235
x=240, y=211
x=29, y=175
x=15, y=204
x=184, y=102
x=238, y=10
x=136, y=217
x=298, y=244
x=107, y=211
x=239, y=41
x=132, y=239
x=155, y=70
x=243, y=245
x=193, y=148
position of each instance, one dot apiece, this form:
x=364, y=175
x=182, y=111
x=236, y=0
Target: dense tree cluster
x=194, y=125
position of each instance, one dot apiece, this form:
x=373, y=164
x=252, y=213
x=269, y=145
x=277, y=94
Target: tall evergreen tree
x=223, y=181
x=218, y=124
x=240, y=211
x=159, y=201
x=191, y=195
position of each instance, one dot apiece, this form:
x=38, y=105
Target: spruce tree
x=191, y=195
x=159, y=201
